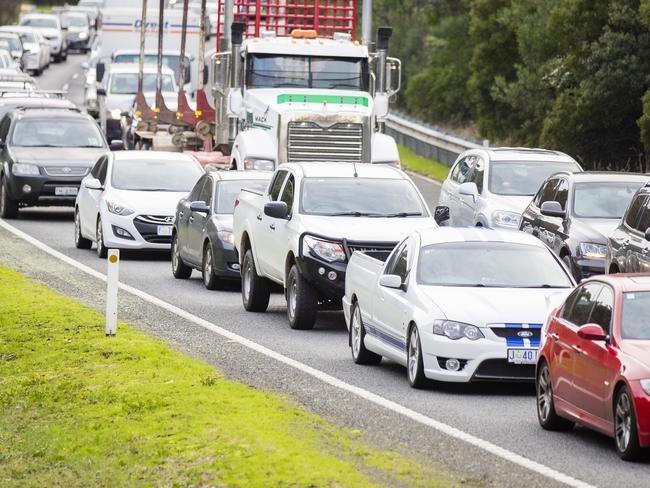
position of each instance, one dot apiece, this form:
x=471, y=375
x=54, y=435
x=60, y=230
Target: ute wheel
x=180, y=270
x=80, y=241
x=8, y=207
x=360, y=354
x=255, y=290
x=210, y=279
x=546, y=415
x=302, y=301
x=102, y=251
x=415, y=364
x=626, y=435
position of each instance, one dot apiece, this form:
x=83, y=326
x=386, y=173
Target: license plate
x=66, y=191
x=164, y=230
x=522, y=356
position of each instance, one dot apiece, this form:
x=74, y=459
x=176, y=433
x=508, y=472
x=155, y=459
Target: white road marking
x=320, y=375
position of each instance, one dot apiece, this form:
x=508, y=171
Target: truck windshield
x=127, y=83
x=361, y=197
x=281, y=71
x=171, y=61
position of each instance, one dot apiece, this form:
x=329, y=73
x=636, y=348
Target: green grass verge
x=428, y=167
x=80, y=409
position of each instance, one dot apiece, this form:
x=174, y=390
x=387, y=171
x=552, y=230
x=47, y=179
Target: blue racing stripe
x=520, y=325
x=375, y=331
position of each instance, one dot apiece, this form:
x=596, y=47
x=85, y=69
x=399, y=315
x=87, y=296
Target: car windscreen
x=283, y=71
x=27, y=38
x=40, y=22
x=127, y=83
x=635, y=319
x=523, y=178
x=361, y=197
x=490, y=264
x=170, y=61
x=155, y=175
x=603, y=199
x=11, y=41
x=56, y=132
x=228, y=191
x=76, y=20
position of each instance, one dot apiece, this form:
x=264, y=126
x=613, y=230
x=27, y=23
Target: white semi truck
x=297, y=87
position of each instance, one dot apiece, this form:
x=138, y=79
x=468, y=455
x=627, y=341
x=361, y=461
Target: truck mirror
x=221, y=72
x=277, y=210
x=381, y=106
x=100, y=69
x=393, y=76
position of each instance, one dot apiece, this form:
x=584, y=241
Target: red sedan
x=593, y=366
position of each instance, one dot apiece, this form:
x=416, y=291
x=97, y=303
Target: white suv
x=491, y=187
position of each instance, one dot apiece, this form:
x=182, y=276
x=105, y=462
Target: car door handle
x=272, y=226
x=577, y=348
x=259, y=217
x=554, y=335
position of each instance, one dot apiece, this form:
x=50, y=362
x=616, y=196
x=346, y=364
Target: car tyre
x=180, y=270
x=255, y=290
x=414, y=361
x=626, y=435
x=80, y=241
x=546, y=415
x=210, y=279
x=302, y=301
x=568, y=262
x=360, y=355
x=102, y=251
x=8, y=207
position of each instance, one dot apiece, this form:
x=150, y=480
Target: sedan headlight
x=329, y=251
x=591, y=250
x=118, y=209
x=116, y=114
x=645, y=384
x=456, y=330
x=503, y=218
x=83, y=36
x=226, y=236
x=24, y=169
x=259, y=164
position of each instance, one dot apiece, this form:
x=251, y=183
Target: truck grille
x=308, y=141
x=379, y=251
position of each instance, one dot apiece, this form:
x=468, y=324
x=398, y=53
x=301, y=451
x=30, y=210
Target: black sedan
x=628, y=248
x=202, y=236
x=573, y=213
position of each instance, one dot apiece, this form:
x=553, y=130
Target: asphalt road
x=501, y=414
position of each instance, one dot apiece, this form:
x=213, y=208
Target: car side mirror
x=116, y=145
x=390, y=281
x=277, y=210
x=199, y=207
x=100, y=69
x=592, y=332
x=101, y=92
x=469, y=189
x=647, y=231
x=441, y=214
x=93, y=184
x=552, y=209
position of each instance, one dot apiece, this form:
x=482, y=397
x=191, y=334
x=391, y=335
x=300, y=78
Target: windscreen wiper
x=402, y=214
x=353, y=213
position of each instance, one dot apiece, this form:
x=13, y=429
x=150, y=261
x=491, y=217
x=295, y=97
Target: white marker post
x=111, y=291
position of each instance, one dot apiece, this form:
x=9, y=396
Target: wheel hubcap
x=544, y=394
x=247, y=281
x=623, y=421
x=100, y=237
x=414, y=354
x=208, y=266
x=175, y=253
x=293, y=299
x=356, y=332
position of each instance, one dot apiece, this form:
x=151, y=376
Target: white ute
x=301, y=232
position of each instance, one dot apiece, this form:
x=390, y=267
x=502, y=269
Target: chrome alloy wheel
x=207, y=272
x=413, y=354
x=292, y=299
x=544, y=394
x=247, y=279
x=355, y=330
x=175, y=251
x=77, y=227
x=623, y=421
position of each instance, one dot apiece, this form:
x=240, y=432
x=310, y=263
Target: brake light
x=304, y=34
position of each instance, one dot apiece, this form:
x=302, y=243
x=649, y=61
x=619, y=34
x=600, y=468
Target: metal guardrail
x=428, y=141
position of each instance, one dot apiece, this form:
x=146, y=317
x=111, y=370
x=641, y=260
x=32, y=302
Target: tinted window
x=604, y=200
x=276, y=185
x=96, y=168
x=53, y=132
x=490, y=264
x=584, y=302
x=127, y=83
x=644, y=220
x=461, y=171
x=523, y=177
x=4, y=128
x=170, y=61
x=602, y=312
x=400, y=265
x=568, y=303
x=476, y=176
x=228, y=191
x=549, y=190
x=155, y=175
x=103, y=168
x=196, y=191
x=288, y=192
x=206, y=192
x=634, y=210
x=635, y=319
x=562, y=193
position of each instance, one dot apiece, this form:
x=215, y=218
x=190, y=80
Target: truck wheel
x=360, y=354
x=80, y=241
x=302, y=301
x=210, y=279
x=180, y=270
x=255, y=290
x=8, y=207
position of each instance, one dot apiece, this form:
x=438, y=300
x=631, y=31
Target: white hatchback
x=491, y=187
x=129, y=199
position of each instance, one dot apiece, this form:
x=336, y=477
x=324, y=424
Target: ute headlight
x=503, y=218
x=116, y=114
x=83, y=36
x=329, y=251
x=456, y=330
x=226, y=236
x=24, y=169
x=118, y=209
x=591, y=250
x=259, y=164
x=645, y=384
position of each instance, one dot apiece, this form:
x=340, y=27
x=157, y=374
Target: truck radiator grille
x=379, y=251
x=308, y=141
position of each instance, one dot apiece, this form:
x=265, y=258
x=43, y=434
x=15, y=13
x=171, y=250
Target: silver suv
x=491, y=187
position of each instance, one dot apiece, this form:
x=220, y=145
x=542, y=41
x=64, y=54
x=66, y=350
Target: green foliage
x=80, y=409
x=429, y=167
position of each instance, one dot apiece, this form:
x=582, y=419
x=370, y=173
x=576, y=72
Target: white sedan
x=455, y=304
x=128, y=200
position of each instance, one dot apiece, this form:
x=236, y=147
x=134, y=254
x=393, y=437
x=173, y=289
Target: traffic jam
x=248, y=143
